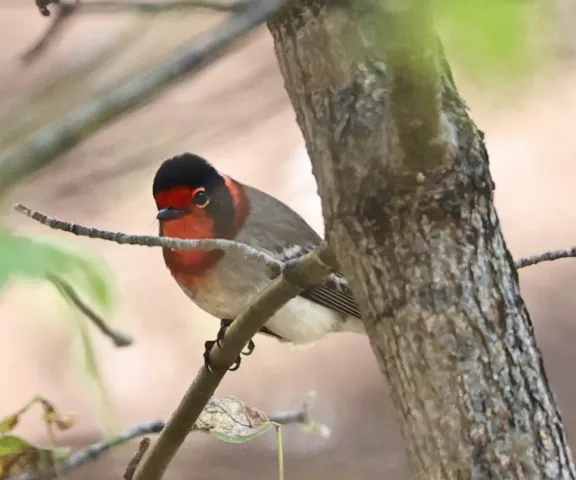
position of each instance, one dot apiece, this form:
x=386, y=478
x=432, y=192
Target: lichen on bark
x=407, y=198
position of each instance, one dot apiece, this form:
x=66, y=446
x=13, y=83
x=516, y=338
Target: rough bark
x=407, y=199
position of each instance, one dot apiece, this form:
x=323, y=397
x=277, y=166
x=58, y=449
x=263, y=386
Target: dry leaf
x=18, y=456
x=231, y=420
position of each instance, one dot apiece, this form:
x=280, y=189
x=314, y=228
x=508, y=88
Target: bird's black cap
x=192, y=171
x=186, y=170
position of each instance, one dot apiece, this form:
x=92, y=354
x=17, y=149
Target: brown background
x=236, y=114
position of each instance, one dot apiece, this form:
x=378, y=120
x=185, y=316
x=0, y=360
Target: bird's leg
x=224, y=324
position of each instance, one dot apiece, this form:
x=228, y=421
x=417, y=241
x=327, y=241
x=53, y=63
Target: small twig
x=291, y=416
x=65, y=11
x=546, y=257
x=302, y=415
x=307, y=271
x=120, y=339
x=136, y=459
x=151, y=240
x=280, y=452
x=92, y=452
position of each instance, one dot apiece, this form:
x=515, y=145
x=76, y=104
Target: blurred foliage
x=90, y=373
x=493, y=37
x=36, y=259
x=18, y=455
x=24, y=257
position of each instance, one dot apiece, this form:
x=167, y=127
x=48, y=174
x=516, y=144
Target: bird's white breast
x=299, y=321
x=303, y=321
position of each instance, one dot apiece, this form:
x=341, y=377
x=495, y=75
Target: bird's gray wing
x=278, y=229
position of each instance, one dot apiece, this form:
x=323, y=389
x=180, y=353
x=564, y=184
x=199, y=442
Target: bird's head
x=194, y=200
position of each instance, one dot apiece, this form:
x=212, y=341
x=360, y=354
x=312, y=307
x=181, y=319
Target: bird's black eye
x=201, y=198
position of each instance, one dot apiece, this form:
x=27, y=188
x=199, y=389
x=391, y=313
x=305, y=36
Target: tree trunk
x=407, y=199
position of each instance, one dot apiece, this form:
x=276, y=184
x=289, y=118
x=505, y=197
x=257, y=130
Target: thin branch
x=217, y=244
x=151, y=240
x=546, y=257
x=46, y=144
x=304, y=272
x=136, y=459
x=65, y=11
x=111, y=6
x=94, y=451
x=116, y=6
x=120, y=339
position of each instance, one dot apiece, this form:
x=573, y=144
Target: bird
x=196, y=201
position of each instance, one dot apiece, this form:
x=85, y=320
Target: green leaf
x=231, y=420
x=13, y=444
x=26, y=257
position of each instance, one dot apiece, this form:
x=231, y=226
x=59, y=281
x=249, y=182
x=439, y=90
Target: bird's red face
x=196, y=202
x=182, y=212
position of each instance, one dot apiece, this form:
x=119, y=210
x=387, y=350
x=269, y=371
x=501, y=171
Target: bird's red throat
x=189, y=266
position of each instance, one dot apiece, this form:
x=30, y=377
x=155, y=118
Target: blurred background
x=236, y=114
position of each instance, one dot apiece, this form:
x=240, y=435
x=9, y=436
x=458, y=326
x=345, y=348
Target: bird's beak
x=171, y=213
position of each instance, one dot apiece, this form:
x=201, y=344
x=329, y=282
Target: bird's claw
x=208, y=361
x=249, y=348
x=224, y=324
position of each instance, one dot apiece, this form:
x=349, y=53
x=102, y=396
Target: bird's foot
x=224, y=324
x=208, y=361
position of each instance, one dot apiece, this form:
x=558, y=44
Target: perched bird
x=195, y=201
